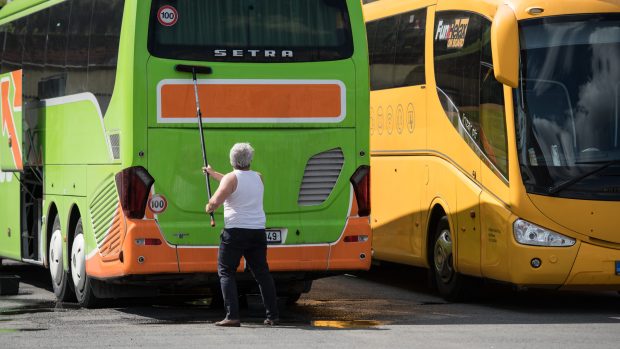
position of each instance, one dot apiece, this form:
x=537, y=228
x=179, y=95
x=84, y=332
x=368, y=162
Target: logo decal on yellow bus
x=454, y=32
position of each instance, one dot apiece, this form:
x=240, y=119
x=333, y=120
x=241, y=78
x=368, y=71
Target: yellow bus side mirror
x=505, y=46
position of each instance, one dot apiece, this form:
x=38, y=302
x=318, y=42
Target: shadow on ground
x=388, y=294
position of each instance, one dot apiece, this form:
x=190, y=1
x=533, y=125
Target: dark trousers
x=251, y=244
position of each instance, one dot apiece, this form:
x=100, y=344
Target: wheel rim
x=443, y=256
x=78, y=264
x=56, y=257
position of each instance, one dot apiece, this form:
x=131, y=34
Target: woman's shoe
x=271, y=322
x=228, y=323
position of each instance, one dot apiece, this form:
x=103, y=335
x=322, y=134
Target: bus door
x=457, y=132
x=19, y=160
x=11, y=163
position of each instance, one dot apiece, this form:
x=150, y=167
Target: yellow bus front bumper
x=594, y=268
x=580, y=267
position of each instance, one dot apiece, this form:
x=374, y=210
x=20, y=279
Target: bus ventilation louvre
x=320, y=176
x=105, y=219
x=115, y=144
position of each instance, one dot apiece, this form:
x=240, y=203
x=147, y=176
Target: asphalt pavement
x=390, y=306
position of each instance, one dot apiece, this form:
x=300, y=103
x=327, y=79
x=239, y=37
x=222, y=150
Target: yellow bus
x=495, y=149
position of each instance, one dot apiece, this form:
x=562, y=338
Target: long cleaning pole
x=202, y=140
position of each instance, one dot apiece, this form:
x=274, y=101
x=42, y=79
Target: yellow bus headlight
x=527, y=233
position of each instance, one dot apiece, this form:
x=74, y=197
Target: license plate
x=274, y=236
x=617, y=267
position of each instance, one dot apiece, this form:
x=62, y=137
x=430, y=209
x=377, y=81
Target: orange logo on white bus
x=12, y=103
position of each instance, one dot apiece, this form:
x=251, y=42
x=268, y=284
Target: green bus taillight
x=134, y=185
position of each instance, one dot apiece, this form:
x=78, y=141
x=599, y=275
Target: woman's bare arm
x=213, y=173
x=227, y=186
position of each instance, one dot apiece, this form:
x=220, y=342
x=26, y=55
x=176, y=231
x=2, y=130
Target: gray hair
x=241, y=155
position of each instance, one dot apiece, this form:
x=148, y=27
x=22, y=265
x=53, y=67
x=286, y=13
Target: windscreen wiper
x=561, y=186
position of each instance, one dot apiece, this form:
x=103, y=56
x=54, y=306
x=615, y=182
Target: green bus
x=100, y=148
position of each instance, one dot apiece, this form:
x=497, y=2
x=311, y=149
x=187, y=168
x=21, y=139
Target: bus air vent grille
x=105, y=218
x=115, y=144
x=320, y=176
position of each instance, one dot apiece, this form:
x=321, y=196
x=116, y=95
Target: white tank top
x=244, y=207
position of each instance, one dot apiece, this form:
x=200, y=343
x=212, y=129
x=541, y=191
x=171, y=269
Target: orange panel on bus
x=252, y=101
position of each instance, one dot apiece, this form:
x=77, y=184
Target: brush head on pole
x=193, y=68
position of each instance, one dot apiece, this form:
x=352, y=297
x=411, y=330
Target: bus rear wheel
x=81, y=282
x=292, y=298
x=60, y=278
x=450, y=284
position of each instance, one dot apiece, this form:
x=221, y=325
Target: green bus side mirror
x=505, y=46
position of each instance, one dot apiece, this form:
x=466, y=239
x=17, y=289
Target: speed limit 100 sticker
x=167, y=16
x=157, y=204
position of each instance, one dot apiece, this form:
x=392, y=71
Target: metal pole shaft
x=202, y=140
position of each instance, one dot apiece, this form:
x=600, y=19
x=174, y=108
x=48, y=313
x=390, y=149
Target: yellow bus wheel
x=450, y=284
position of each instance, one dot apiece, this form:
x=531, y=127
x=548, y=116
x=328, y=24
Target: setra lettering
x=253, y=53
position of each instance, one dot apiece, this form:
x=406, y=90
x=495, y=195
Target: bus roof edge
x=17, y=6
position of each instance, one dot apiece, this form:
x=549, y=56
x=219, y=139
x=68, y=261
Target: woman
x=241, y=192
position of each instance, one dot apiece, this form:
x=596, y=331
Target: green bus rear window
x=250, y=30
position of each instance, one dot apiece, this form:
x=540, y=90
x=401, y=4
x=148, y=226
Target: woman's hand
x=210, y=207
x=213, y=173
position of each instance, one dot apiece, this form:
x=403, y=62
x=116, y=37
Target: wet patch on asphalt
x=352, y=324
x=14, y=330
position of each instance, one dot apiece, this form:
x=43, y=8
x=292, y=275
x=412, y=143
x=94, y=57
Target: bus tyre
x=81, y=282
x=61, y=282
x=450, y=284
x=292, y=298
